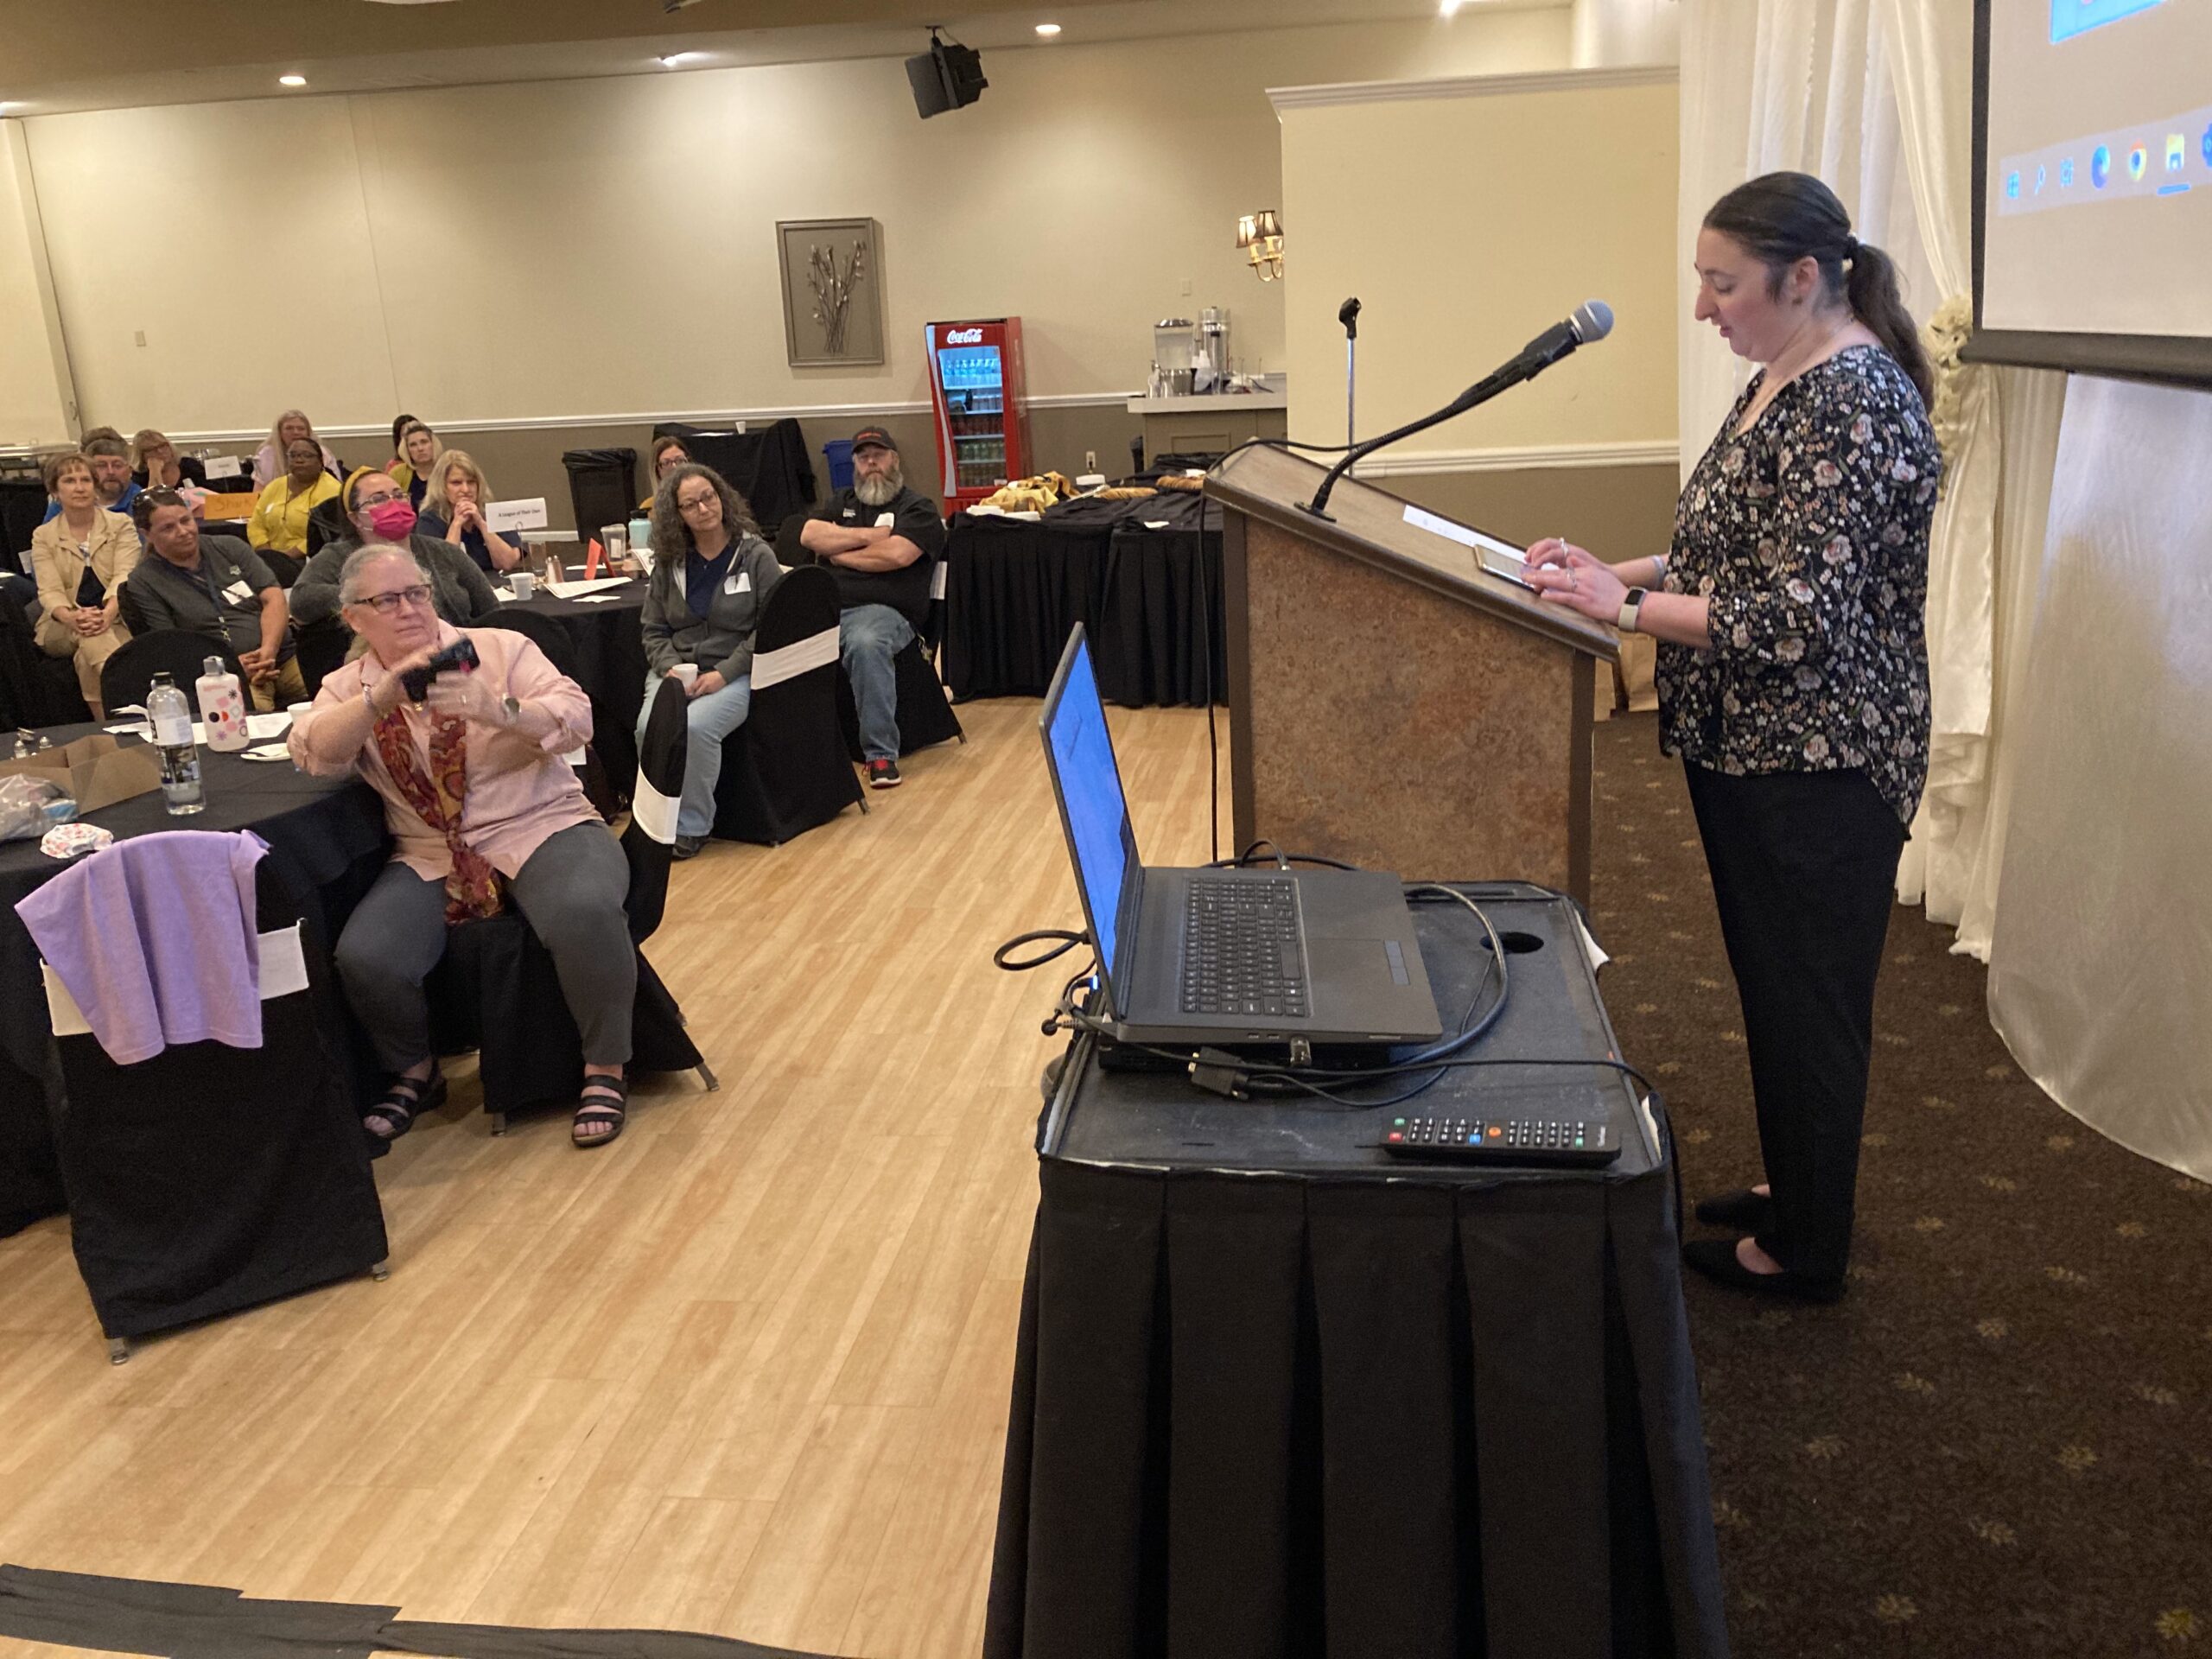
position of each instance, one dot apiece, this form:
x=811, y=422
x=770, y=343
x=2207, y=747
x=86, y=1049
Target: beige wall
x=594, y=250
x=34, y=371
x=1469, y=222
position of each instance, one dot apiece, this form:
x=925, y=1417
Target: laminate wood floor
x=746, y=1371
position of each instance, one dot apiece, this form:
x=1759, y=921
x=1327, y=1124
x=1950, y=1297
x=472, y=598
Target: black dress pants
x=1804, y=866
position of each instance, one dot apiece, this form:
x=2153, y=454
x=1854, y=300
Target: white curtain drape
x=2070, y=591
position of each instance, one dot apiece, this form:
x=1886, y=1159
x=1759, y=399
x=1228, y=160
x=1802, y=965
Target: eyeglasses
x=161, y=498
x=389, y=604
x=363, y=503
x=700, y=504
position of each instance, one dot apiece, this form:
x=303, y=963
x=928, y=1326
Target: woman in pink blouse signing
x=484, y=809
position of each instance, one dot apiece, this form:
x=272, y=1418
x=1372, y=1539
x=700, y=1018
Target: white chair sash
x=283, y=973
x=789, y=661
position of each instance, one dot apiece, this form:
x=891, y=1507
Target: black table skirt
x=1265, y=1417
x=610, y=666
x=327, y=841
x=1150, y=599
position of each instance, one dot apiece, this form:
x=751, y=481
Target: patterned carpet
x=1999, y=1445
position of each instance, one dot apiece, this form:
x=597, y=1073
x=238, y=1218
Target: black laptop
x=1224, y=956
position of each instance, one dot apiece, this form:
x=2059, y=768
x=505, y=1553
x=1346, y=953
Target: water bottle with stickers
x=222, y=707
x=171, y=716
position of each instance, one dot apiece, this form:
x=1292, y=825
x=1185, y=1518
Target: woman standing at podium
x=1793, y=682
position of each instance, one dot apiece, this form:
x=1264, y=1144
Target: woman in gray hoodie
x=712, y=573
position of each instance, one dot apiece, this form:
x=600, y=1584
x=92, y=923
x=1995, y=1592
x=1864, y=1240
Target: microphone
x=1592, y=322
x=1348, y=315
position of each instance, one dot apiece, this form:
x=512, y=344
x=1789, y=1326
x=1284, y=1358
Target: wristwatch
x=1631, y=603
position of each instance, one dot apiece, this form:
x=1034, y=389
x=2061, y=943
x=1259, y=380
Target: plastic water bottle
x=222, y=707
x=170, y=715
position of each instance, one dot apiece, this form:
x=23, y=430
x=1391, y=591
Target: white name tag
x=852, y=512
x=885, y=520
x=237, y=592
x=740, y=583
x=507, y=517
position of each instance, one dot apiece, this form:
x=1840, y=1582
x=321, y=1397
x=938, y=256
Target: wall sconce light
x=1261, y=233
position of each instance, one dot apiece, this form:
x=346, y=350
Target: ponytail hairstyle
x=1782, y=218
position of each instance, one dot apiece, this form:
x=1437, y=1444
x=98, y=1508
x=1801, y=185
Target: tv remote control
x=1500, y=1140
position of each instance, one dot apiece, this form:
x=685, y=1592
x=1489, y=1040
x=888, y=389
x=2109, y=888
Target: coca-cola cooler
x=982, y=410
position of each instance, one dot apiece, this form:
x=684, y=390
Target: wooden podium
x=1391, y=702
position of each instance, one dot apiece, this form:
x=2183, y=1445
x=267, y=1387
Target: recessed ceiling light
x=677, y=59
x=1048, y=29
x=291, y=80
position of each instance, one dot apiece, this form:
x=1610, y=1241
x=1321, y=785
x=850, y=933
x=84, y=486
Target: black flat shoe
x=1716, y=1259
x=1746, y=1211
x=689, y=846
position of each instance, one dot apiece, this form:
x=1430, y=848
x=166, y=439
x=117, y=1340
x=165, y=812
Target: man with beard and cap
x=881, y=538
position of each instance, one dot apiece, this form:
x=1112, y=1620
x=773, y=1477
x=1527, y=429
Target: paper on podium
x=1499, y=558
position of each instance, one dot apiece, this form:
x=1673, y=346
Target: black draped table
x=1277, y=1393
x=610, y=649
x=327, y=841
x=1143, y=577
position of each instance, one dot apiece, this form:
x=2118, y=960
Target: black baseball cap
x=873, y=437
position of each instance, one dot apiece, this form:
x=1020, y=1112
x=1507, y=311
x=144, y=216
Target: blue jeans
x=710, y=720
x=868, y=637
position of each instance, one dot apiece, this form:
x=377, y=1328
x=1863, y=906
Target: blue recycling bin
x=838, y=452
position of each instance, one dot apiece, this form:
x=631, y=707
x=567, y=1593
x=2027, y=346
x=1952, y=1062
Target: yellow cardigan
x=282, y=522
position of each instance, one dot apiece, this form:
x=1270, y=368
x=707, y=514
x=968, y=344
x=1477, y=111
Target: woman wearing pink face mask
x=376, y=510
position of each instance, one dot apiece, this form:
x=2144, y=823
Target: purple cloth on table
x=155, y=939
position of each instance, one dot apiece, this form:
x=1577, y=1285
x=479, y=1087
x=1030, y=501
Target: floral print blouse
x=1809, y=534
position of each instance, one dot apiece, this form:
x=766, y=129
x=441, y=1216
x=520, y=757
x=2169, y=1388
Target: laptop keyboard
x=1241, y=949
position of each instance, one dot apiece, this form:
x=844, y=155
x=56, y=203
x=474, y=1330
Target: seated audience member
x=701, y=613
x=272, y=462
x=113, y=485
x=881, y=538
x=418, y=448
x=483, y=808
x=155, y=465
x=80, y=557
x=376, y=510
x=214, y=585
x=454, y=509
x=278, y=526
x=664, y=457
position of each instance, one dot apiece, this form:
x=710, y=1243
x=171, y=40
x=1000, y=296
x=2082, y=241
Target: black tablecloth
x=610, y=666
x=1143, y=576
x=326, y=841
x=1275, y=1394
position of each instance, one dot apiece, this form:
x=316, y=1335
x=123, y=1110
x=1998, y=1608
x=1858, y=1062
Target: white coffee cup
x=524, y=583
x=685, y=674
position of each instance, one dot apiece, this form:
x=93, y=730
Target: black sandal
x=399, y=1108
x=591, y=1111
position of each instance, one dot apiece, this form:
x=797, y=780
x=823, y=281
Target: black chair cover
x=924, y=716
x=325, y=523
x=770, y=467
x=784, y=770
x=209, y=1178
x=321, y=646
x=560, y=648
x=22, y=510
x=35, y=690
x=129, y=675
x=602, y=488
x=497, y=992
x=660, y=770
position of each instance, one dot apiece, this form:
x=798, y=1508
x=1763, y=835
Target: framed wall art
x=833, y=291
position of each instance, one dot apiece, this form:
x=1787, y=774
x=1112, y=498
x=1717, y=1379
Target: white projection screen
x=2092, y=185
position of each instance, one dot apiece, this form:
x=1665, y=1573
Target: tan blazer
x=59, y=567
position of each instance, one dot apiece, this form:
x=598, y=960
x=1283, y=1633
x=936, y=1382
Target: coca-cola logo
x=963, y=336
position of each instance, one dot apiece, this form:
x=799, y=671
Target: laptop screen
x=1100, y=838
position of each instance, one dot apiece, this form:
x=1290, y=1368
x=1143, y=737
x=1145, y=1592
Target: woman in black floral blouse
x=1793, y=682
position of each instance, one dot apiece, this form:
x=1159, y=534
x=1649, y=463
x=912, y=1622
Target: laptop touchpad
x=1354, y=962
